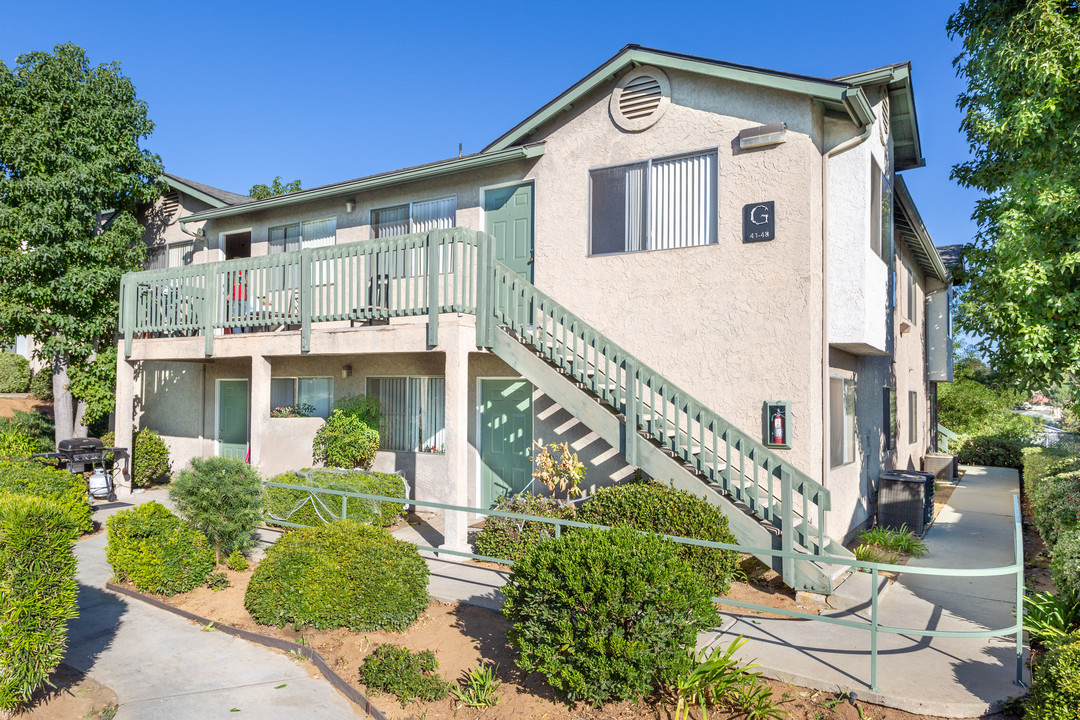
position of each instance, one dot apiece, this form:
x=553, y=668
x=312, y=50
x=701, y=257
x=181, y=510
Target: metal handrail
x=1016, y=568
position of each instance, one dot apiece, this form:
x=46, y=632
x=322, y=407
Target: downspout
x=826, y=430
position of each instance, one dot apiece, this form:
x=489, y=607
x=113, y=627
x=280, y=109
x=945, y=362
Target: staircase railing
x=944, y=436
x=770, y=487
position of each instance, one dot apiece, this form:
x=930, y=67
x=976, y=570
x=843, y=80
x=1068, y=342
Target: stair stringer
x=748, y=530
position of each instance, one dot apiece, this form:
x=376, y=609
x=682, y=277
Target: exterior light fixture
x=346, y=371
x=350, y=205
x=771, y=134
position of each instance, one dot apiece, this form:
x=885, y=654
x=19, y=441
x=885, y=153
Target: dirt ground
x=74, y=696
x=8, y=405
x=463, y=636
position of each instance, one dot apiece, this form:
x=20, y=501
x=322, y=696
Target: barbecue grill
x=88, y=456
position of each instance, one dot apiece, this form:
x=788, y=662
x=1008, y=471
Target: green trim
x=193, y=192
x=901, y=110
x=925, y=251
x=372, y=182
x=835, y=95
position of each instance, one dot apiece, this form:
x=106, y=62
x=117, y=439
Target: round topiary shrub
x=340, y=575
x=223, y=498
x=41, y=385
x=666, y=511
x=157, y=551
x=14, y=372
x=345, y=441
x=509, y=538
x=1065, y=563
x=149, y=459
x=606, y=614
x=1055, y=682
x=66, y=489
x=1056, y=506
x=311, y=508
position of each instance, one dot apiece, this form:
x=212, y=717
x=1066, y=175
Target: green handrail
x=1016, y=630
x=944, y=436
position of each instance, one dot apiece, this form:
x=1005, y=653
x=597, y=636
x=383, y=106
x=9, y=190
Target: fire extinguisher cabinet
x=777, y=423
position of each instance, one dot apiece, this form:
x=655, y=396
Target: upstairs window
x=653, y=205
x=881, y=212
x=418, y=217
x=913, y=416
x=175, y=255
x=911, y=293
x=413, y=413
x=303, y=235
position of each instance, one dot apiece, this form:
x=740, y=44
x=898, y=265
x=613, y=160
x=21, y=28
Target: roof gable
x=215, y=197
x=905, y=124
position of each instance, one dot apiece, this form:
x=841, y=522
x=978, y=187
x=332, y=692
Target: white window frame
x=910, y=305
x=300, y=225
x=414, y=425
x=847, y=421
x=296, y=390
x=166, y=249
x=713, y=229
x=412, y=214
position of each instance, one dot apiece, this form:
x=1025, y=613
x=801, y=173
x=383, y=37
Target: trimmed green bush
x=236, y=562
x=664, y=510
x=1040, y=462
x=222, y=497
x=149, y=460
x=157, y=551
x=364, y=408
x=66, y=489
x=29, y=429
x=311, y=509
x=510, y=539
x=1065, y=563
x=14, y=372
x=1055, y=506
x=1055, y=682
x=41, y=385
x=14, y=445
x=606, y=614
x=37, y=593
x=340, y=575
x=345, y=441
x=991, y=450
x=409, y=675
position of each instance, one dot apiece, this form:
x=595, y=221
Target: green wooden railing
x=771, y=487
x=368, y=280
x=944, y=436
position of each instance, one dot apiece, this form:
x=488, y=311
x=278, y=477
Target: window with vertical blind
x=418, y=217
x=318, y=392
x=413, y=413
x=889, y=420
x=913, y=416
x=656, y=204
x=301, y=236
x=160, y=257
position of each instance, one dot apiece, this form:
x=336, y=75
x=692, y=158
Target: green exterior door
x=505, y=437
x=233, y=419
x=508, y=217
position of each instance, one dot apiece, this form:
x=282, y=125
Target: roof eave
x=897, y=78
x=934, y=264
x=397, y=177
x=193, y=192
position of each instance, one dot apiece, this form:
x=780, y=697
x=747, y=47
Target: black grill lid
x=79, y=445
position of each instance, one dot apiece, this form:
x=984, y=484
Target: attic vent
x=885, y=119
x=170, y=203
x=640, y=99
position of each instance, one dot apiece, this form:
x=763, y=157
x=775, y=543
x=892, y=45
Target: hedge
x=157, y=551
x=65, y=488
x=510, y=539
x=14, y=372
x=23, y=431
x=340, y=575
x=149, y=459
x=311, y=509
x=1055, y=506
x=37, y=593
x=1040, y=462
x=1065, y=563
x=41, y=385
x=991, y=450
x=1055, y=682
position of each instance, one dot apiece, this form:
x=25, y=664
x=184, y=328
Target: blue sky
x=241, y=92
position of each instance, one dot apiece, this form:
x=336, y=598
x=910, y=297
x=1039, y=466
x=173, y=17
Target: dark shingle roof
x=950, y=254
x=229, y=198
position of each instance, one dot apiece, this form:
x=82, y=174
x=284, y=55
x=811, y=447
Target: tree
x=261, y=191
x=72, y=172
x=1021, y=61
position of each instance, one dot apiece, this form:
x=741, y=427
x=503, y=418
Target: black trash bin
x=906, y=497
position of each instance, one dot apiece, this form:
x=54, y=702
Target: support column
x=258, y=406
x=124, y=412
x=456, y=340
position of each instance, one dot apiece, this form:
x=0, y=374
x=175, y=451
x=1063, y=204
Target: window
x=159, y=257
x=318, y=392
x=881, y=211
x=418, y=217
x=911, y=297
x=653, y=205
x=913, y=416
x=889, y=421
x=842, y=420
x=301, y=236
x=413, y=413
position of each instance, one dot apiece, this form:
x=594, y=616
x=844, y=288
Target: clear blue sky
x=241, y=91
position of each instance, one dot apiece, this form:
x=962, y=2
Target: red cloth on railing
x=239, y=287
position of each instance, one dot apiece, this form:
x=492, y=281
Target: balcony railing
x=367, y=280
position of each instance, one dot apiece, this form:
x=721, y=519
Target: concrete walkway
x=163, y=667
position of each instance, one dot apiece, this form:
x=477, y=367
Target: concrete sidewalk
x=163, y=667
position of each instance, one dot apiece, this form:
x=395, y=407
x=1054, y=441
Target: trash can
x=906, y=497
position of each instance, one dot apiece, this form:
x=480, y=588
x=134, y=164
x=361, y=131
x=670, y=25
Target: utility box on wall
x=777, y=423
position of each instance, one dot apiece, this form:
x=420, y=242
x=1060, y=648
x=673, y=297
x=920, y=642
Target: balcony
x=361, y=281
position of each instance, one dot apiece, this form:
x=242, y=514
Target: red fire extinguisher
x=778, y=428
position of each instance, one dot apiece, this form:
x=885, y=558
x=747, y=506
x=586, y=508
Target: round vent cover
x=640, y=99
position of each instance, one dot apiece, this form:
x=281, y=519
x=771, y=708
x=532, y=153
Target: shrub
x=364, y=408
x=409, y=675
x=991, y=450
x=664, y=510
x=149, y=459
x=14, y=373
x=345, y=441
x=37, y=427
x=157, y=551
x=66, y=489
x=41, y=385
x=606, y=613
x=1065, y=564
x=1055, y=682
x=1055, y=506
x=1049, y=617
x=222, y=497
x=236, y=562
x=14, y=445
x=217, y=581
x=37, y=593
x=340, y=575
x=510, y=539
x=1040, y=462
x=311, y=509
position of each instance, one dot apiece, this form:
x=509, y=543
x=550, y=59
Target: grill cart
x=87, y=456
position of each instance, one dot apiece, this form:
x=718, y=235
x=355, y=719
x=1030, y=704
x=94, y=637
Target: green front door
x=505, y=437
x=508, y=217
x=233, y=419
